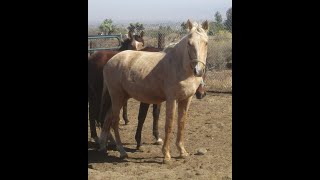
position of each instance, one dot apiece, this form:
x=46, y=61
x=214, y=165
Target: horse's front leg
x=156, y=114
x=183, y=107
x=170, y=114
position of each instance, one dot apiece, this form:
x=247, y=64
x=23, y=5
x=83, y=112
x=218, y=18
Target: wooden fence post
x=90, y=47
x=161, y=40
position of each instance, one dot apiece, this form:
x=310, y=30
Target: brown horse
x=154, y=77
x=95, y=79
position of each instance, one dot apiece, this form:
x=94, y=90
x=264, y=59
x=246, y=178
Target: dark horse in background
x=96, y=63
x=95, y=79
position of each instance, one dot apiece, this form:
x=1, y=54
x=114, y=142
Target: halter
x=202, y=83
x=195, y=60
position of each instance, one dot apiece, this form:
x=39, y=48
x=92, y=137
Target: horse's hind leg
x=156, y=114
x=92, y=116
x=125, y=113
x=141, y=118
x=93, y=131
x=117, y=104
x=105, y=130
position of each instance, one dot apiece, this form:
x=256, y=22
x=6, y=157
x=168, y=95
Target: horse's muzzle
x=200, y=95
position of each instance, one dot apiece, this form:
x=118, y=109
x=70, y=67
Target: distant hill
x=146, y=24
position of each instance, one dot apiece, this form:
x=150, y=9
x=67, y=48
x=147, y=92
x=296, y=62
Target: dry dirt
x=208, y=126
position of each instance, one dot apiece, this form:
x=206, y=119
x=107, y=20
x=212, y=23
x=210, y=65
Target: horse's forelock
x=197, y=28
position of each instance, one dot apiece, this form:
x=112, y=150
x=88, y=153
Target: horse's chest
x=185, y=90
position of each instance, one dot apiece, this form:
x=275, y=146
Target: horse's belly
x=144, y=92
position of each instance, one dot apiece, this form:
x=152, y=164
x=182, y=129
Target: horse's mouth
x=200, y=95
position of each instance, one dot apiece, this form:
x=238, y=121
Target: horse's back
x=130, y=59
x=100, y=58
x=136, y=73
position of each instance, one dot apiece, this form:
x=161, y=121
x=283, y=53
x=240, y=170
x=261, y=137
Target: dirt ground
x=208, y=127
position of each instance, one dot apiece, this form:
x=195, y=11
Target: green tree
x=218, y=25
x=228, y=21
x=169, y=29
x=106, y=26
x=218, y=18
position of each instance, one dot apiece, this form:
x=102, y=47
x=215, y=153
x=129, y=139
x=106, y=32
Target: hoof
x=159, y=142
x=124, y=156
x=167, y=161
x=141, y=148
x=102, y=149
x=126, y=122
x=95, y=140
x=184, y=155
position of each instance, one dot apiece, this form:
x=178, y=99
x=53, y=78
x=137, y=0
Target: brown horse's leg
x=170, y=114
x=92, y=117
x=92, y=122
x=141, y=118
x=183, y=107
x=117, y=104
x=156, y=114
x=125, y=113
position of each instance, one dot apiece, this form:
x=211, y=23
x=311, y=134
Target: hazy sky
x=155, y=10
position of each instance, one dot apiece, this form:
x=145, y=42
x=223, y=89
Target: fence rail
x=91, y=48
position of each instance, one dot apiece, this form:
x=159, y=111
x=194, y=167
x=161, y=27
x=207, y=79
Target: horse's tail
x=105, y=105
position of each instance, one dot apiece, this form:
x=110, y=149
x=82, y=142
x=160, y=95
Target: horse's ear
x=205, y=25
x=189, y=24
x=141, y=34
x=130, y=35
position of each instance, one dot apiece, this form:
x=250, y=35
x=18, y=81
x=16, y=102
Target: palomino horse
x=95, y=77
x=154, y=77
x=143, y=109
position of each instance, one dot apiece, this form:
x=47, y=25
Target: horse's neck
x=180, y=59
x=124, y=45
